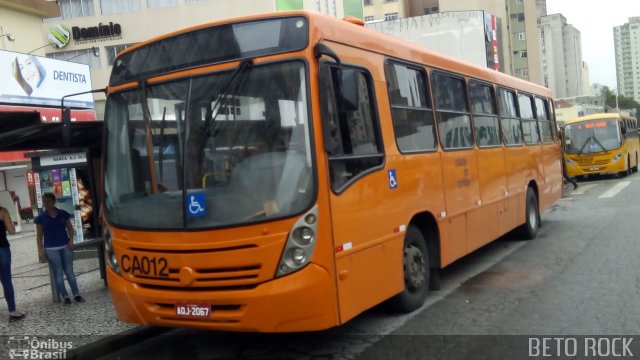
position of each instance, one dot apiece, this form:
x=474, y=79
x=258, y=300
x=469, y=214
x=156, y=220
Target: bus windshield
x=592, y=136
x=217, y=150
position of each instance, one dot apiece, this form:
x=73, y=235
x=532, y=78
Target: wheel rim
x=414, y=268
x=533, y=217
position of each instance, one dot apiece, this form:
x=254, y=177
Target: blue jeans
x=5, y=277
x=62, y=261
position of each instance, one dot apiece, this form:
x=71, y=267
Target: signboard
x=467, y=35
x=35, y=80
x=63, y=159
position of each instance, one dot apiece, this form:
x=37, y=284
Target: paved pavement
x=31, y=283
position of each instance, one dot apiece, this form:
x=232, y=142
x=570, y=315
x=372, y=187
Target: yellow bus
x=601, y=144
x=286, y=172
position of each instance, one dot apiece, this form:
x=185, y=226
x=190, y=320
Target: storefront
x=70, y=177
x=31, y=88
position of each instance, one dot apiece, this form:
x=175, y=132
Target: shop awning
x=23, y=131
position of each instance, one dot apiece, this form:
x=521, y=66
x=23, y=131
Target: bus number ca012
x=145, y=265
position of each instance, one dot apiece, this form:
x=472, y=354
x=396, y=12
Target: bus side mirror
x=624, y=130
x=349, y=94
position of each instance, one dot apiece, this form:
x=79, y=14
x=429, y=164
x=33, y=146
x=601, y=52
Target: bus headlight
x=112, y=259
x=616, y=158
x=300, y=245
x=570, y=162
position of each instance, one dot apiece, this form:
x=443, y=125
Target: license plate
x=193, y=311
x=594, y=169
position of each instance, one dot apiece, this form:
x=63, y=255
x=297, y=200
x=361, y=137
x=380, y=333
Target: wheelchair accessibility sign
x=393, y=179
x=196, y=205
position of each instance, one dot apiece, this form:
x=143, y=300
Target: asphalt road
x=579, y=278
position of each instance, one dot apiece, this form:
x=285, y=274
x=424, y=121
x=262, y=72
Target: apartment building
x=627, y=48
x=563, y=70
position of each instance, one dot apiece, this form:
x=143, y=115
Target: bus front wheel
x=628, y=170
x=529, y=229
x=416, y=272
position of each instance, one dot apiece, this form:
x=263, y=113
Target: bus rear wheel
x=416, y=273
x=529, y=229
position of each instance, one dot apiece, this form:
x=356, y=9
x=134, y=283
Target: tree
x=623, y=101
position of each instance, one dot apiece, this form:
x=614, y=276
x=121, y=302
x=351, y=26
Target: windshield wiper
x=584, y=145
x=223, y=94
x=598, y=142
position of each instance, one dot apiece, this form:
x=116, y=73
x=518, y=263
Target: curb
x=113, y=343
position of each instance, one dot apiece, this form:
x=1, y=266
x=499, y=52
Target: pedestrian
x=6, y=226
x=54, y=225
x=564, y=164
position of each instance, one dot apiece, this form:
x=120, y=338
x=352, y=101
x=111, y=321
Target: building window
x=368, y=2
x=369, y=18
x=119, y=6
x=155, y=4
x=70, y=9
x=518, y=1
x=521, y=36
x=82, y=56
x=519, y=16
x=388, y=1
x=523, y=53
x=432, y=10
x=112, y=51
x=391, y=16
x=195, y=1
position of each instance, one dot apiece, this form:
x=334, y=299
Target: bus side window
x=485, y=119
x=452, y=110
x=411, y=112
x=352, y=138
x=529, y=124
x=510, y=124
x=544, y=121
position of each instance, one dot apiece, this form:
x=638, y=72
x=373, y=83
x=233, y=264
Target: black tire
x=627, y=171
x=416, y=273
x=529, y=229
x=635, y=168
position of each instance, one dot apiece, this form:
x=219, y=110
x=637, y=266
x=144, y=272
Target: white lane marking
x=583, y=189
x=614, y=190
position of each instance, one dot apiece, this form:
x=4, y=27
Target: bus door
x=459, y=166
x=367, y=274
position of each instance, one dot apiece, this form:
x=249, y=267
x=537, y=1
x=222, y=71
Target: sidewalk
x=94, y=318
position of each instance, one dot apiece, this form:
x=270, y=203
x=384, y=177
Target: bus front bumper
x=610, y=168
x=302, y=301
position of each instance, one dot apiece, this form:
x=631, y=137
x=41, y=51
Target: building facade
x=20, y=22
x=562, y=66
x=468, y=35
x=111, y=26
x=627, y=47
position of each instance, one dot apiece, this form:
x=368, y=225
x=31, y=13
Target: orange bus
x=286, y=172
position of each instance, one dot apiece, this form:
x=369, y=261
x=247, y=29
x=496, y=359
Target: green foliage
x=623, y=102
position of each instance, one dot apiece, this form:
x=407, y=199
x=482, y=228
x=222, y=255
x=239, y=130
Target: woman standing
x=54, y=225
x=6, y=226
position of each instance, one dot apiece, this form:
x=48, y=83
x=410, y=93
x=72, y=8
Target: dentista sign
x=96, y=32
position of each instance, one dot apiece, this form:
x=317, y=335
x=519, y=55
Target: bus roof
x=349, y=33
x=599, y=116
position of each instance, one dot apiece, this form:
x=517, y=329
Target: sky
x=595, y=20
